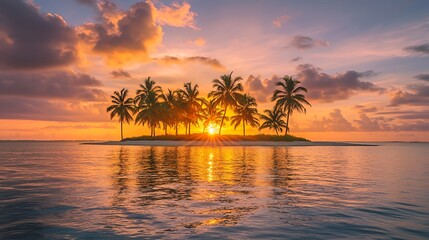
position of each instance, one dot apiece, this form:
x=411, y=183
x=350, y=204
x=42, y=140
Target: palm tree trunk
x=277, y=132
x=287, y=121
x=189, y=129
x=165, y=129
x=122, y=136
x=223, y=117
x=177, y=129
x=244, y=128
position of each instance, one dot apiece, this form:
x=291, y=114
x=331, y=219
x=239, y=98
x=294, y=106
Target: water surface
x=65, y=190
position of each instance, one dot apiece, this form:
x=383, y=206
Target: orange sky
x=366, y=76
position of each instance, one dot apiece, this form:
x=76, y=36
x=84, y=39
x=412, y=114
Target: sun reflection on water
x=182, y=190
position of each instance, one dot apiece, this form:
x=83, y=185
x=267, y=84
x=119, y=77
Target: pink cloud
x=278, y=22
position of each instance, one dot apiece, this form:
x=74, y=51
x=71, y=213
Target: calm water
x=64, y=190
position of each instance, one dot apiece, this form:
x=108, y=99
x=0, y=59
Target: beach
x=225, y=143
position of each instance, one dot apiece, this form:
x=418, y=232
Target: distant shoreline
x=222, y=143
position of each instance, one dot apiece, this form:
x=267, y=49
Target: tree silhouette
x=290, y=97
x=245, y=113
x=122, y=108
x=227, y=91
x=273, y=120
x=192, y=104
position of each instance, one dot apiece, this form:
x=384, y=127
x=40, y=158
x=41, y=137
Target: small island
x=204, y=139
x=184, y=108
x=174, y=109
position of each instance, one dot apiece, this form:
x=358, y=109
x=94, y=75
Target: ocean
x=66, y=190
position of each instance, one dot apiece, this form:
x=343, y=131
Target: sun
x=212, y=129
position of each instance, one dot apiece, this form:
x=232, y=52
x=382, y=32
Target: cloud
x=30, y=40
x=321, y=86
x=131, y=35
x=261, y=89
x=278, y=22
x=58, y=84
x=123, y=36
x=212, y=62
x=324, y=87
x=420, y=48
x=88, y=2
x=417, y=94
x=296, y=59
x=405, y=115
x=420, y=126
x=334, y=122
x=81, y=126
x=304, y=42
x=423, y=77
x=120, y=74
x=12, y=107
x=199, y=42
x=366, y=124
x=365, y=109
x=176, y=15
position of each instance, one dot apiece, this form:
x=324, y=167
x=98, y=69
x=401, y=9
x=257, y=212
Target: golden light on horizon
x=212, y=129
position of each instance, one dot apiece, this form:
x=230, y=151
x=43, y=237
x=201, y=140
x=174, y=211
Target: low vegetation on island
x=183, y=108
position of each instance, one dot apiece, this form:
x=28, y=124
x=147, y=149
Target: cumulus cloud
x=262, y=89
x=131, y=35
x=278, y=22
x=30, y=39
x=212, y=62
x=304, y=42
x=367, y=124
x=296, y=59
x=324, y=87
x=423, y=77
x=123, y=35
x=417, y=94
x=334, y=122
x=120, y=74
x=176, y=15
x=419, y=48
x=58, y=84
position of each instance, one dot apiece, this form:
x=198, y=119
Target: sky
x=364, y=63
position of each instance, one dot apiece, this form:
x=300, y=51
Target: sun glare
x=212, y=129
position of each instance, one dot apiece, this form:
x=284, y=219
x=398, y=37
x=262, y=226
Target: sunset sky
x=365, y=63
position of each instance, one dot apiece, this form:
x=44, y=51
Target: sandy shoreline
x=223, y=143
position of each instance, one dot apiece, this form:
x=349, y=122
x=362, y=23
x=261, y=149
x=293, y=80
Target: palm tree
x=148, y=107
x=168, y=108
x=211, y=113
x=226, y=93
x=192, y=104
x=273, y=120
x=145, y=88
x=245, y=113
x=121, y=107
x=290, y=97
x=149, y=111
